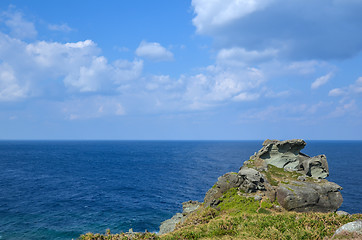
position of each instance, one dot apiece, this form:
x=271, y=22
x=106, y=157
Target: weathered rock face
x=224, y=183
x=251, y=180
x=287, y=155
x=248, y=180
x=310, y=196
x=282, y=154
x=316, y=167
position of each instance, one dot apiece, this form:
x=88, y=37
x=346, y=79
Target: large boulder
x=310, y=196
x=351, y=227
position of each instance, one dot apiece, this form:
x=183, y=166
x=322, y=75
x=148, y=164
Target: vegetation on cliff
x=239, y=217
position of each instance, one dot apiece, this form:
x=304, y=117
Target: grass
x=239, y=217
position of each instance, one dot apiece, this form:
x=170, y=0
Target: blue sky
x=200, y=69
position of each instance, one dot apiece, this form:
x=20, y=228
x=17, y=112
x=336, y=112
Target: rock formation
x=280, y=173
x=287, y=155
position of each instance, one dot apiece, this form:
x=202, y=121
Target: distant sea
x=61, y=189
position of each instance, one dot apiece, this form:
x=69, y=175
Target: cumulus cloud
x=77, y=64
x=219, y=13
x=321, y=80
x=154, y=51
x=299, y=30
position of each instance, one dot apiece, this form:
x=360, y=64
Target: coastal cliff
x=279, y=193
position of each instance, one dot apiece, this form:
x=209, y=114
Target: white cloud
x=336, y=92
x=19, y=27
x=10, y=89
x=289, y=27
x=60, y=27
x=153, y=51
x=90, y=78
x=217, y=13
x=220, y=84
x=348, y=91
x=321, y=80
x=240, y=56
x=77, y=64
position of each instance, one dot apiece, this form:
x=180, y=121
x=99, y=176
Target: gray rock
x=342, y=213
x=352, y=227
x=281, y=153
x=251, y=180
x=310, y=196
x=286, y=154
x=316, y=167
x=170, y=224
x=224, y=183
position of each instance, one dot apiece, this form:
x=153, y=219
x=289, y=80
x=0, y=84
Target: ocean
x=62, y=189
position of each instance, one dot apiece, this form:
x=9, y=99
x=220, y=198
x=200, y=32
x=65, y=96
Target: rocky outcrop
x=280, y=173
x=287, y=155
x=170, y=224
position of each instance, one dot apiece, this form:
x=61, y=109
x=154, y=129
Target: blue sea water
x=61, y=189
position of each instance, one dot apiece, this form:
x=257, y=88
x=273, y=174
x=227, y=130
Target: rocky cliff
x=278, y=174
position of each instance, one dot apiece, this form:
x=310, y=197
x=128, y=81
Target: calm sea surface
x=61, y=189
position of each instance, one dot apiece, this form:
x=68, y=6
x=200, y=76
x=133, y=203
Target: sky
x=181, y=70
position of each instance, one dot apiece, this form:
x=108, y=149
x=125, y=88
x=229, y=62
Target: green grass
x=233, y=203
x=209, y=223
x=240, y=217
x=287, y=225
